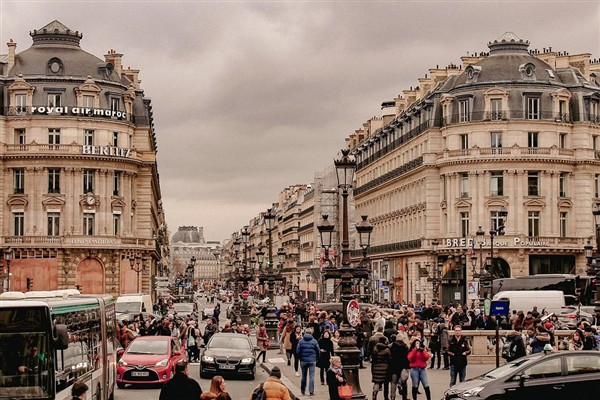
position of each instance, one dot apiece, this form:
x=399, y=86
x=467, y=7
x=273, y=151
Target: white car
x=208, y=312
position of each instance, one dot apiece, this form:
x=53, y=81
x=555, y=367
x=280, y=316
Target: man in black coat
x=399, y=367
x=181, y=386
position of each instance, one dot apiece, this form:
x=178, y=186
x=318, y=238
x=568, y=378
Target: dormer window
x=55, y=65
x=528, y=70
x=464, y=111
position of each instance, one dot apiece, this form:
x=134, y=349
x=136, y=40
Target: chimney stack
x=12, y=47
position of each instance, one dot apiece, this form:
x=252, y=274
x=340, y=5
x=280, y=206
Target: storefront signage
x=106, y=151
x=84, y=111
x=92, y=241
x=499, y=242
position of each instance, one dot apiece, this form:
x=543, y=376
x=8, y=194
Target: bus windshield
x=25, y=359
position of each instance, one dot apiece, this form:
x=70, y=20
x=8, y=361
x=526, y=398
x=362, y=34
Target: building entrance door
x=90, y=276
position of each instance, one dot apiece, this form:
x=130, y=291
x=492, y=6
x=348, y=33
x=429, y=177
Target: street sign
x=386, y=289
x=245, y=294
x=487, y=306
x=500, y=307
x=353, y=312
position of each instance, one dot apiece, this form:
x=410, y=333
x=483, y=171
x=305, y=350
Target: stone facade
x=79, y=176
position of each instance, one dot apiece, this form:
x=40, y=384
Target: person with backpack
x=308, y=351
x=514, y=347
x=272, y=388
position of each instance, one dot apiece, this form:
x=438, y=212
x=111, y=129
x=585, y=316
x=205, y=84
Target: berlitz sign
x=499, y=242
x=106, y=151
x=85, y=111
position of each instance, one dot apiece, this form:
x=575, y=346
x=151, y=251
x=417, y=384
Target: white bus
x=48, y=340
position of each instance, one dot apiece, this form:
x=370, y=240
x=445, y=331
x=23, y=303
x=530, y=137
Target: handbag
x=345, y=391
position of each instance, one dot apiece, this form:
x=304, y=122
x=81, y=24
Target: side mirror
x=522, y=378
x=61, y=337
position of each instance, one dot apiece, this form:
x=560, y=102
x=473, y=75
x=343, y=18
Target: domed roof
x=187, y=234
x=508, y=60
x=56, y=41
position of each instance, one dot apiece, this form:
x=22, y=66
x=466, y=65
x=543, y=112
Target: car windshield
x=128, y=306
x=184, y=307
x=229, y=343
x=508, y=368
x=148, y=347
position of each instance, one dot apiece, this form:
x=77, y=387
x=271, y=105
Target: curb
x=266, y=366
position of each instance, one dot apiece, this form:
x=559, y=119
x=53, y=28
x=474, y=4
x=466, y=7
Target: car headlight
x=162, y=363
x=248, y=360
x=122, y=363
x=472, y=392
x=208, y=359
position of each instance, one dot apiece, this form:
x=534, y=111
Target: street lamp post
x=138, y=266
x=497, y=230
x=271, y=322
x=435, y=278
x=346, y=273
x=593, y=261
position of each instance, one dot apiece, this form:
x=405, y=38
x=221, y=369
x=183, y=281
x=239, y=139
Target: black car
x=559, y=375
x=228, y=354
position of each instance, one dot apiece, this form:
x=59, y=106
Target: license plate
x=140, y=373
x=226, y=366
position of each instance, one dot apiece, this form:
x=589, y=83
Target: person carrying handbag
x=336, y=380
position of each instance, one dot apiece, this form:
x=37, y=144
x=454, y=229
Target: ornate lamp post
x=346, y=273
x=497, y=230
x=593, y=261
x=270, y=277
x=136, y=264
x=480, y=235
x=436, y=268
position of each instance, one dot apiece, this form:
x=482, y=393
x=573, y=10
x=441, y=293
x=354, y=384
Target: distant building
x=189, y=242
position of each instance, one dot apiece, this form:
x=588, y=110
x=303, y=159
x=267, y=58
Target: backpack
x=507, y=351
x=259, y=393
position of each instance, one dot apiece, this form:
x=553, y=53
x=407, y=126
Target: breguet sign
x=84, y=111
x=498, y=242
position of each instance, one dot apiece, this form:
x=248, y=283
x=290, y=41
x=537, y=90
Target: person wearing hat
x=181, y=386
x=274, y=389
x=79, y=390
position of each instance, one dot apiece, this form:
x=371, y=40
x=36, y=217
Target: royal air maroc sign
x=83, y=111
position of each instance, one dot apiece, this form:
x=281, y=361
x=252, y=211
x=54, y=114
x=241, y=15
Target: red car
x=149, y=360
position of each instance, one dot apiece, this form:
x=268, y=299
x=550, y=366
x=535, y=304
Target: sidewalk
x=438, y=379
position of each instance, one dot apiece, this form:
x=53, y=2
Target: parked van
x=133, y=303
x=524, y=300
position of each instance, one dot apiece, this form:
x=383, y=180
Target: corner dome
x=508, y=60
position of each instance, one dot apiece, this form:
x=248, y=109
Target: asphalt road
x=239, y=389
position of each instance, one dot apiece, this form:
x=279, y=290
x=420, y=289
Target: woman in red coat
x=417, y=358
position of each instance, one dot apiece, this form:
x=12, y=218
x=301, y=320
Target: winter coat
x=275, y=390
x=379, y=363
x=418, y=358
x=286, y=339
x=399, y=357
x=517, y=345
x=333, y=383
x=262, y=340
x=308, y=349
x=325, y=352
x=294, y=339
x=457, y=347
x=444, y=336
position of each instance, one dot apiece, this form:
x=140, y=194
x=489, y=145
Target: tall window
x=464, y=224
x=117, y=183
x=464, y=184
x=497, y=183
x=562, y=141
x=18, y=223
x=115, y=139
x=595, y=142
x=463, y=111
x=533, y=183
x=54, y=100
x=88, y=101
x=464, y=141
x=532, y=139
x=53, y=180
x=114, y=104
x=496, y=141
x=562, y=184
x=496, y=219
x=563, y=111
x=88, y=224
x=445, y=188
x=18, y=181
x=496, y=109
x=88, y=180
x=20, y=103
x=597, y=185
x=594, y=116
x=563, y=224
x=53, y=138
x=88, y=137
x=533, y=108
x=20, y=136
x=53, y=224
x=533, y=223
x=116, y=224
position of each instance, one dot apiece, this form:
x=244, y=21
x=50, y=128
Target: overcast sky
x=252, y=96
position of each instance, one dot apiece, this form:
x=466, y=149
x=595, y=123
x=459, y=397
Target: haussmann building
x=79, y=184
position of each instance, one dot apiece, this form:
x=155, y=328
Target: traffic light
x=29, y=283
